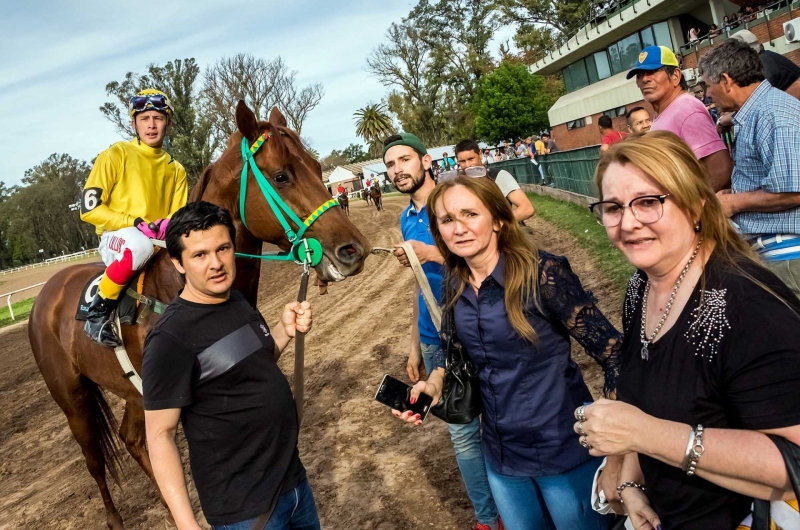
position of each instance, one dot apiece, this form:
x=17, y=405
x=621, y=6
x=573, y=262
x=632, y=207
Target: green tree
x=355, y=153
x=193, y=141
x=541, y=22
x=373, y=124
x=511, y=103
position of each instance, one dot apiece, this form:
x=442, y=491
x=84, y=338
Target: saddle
x=131, y=298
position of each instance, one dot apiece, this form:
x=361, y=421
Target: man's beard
x=416, y=183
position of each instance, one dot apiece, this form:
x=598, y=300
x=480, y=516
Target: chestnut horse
x=375, y=195
x=76, y=369
x=344, y=202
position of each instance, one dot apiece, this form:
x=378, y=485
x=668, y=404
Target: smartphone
x=396, y=394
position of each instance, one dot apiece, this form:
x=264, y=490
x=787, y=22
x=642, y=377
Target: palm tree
x=373, y=124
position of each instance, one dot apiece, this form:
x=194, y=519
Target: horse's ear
x=246, y=121
x=276, y=118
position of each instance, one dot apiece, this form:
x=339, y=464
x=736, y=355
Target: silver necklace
x=642, y=335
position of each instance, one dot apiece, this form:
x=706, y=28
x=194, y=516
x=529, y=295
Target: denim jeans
x=789, y=272
x=467, y=444
x=295, y=510
x=537, y=503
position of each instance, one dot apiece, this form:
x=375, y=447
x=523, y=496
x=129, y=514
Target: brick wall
x=590, y=135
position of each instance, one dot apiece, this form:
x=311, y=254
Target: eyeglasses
x=646, y=209
x=153, y=101
x=472, y=172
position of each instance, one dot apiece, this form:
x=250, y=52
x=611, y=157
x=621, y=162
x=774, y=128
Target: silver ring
x=580, y=413
x=580, y=429
x=585, y=443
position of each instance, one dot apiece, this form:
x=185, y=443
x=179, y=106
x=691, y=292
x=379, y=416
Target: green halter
x=306, y=251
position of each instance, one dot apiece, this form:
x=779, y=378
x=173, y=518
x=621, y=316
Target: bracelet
x=688, y=455
x=697, y=450
x=628, y=485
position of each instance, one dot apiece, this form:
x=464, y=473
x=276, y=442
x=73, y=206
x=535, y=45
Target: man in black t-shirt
x=211, y=362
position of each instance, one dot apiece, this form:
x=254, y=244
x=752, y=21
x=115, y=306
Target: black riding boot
x=99, y=326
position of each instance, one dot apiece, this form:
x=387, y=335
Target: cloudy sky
x=58, y=56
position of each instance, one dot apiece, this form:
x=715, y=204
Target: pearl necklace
x=642, y=334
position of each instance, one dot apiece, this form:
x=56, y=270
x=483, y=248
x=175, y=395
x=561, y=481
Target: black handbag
x=460, y=402
x=791, y=456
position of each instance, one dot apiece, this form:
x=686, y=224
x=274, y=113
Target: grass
x=591, y=236
x=21, y=311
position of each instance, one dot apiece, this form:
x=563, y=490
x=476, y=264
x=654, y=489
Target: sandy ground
x=22, y=279
x=367, y=469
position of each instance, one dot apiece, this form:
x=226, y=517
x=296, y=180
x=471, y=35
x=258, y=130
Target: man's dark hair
x=545, y=135
x=195, y=216
x=735, y=58
x=670, y=70
x=630, y=113
x=605, y=122
x=467, y=145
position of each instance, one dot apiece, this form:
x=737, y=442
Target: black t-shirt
x=216, y=363
x=732, y=363
x=779, y=71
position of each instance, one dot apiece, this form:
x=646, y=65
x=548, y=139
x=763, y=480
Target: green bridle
x=305, y=251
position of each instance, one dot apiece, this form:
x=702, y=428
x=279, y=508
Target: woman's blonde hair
x=665, y=158
x=521, y=269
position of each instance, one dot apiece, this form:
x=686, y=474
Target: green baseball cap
x=406, y=139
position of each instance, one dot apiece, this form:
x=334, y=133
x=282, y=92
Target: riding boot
x=99, y=326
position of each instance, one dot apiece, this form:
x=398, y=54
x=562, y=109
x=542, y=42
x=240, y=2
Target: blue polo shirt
x=414, y=225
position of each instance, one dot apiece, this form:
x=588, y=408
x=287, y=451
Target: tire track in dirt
x=367, y=469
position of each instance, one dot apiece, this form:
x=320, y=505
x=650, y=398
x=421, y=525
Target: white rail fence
x=58, y=259
x=12, y=293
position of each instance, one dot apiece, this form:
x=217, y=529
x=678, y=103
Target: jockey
x=133, y=189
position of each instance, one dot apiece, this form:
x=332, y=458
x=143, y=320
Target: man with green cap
x=408, y=167
x=661, y=81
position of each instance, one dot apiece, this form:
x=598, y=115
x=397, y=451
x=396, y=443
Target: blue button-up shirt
x=414, y=225
x=530, y=391
x=767, y=156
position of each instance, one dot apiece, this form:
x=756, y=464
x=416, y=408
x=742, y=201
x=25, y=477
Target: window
x=647, y=37
x=576, y=124
x=661, y=32
x=591, y=68
x=629, y=49
x=601, y=62
x=577, y=71
x=567, y=80
x=613, y=53
x=613, y=113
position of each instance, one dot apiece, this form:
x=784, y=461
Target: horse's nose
x=350, y=254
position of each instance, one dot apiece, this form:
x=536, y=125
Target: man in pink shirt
x=659, y=78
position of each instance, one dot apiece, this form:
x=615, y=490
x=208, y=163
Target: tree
x=373, y=124
x=512, y=103
x=355, y=153
x=333, y=160
x=262, y=84
x=191, y=136
x=541, y=22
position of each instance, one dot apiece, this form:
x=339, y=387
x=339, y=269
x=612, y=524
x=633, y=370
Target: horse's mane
x=284, y=139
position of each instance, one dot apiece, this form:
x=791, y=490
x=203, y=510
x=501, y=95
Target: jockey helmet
x=150, y=99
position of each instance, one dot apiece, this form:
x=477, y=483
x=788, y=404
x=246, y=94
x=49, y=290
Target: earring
x=697, y=226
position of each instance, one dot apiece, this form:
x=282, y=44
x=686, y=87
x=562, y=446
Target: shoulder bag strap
x=422, y=281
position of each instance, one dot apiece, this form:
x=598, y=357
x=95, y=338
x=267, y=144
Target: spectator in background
x=714, y=31
x=781, y=72
x=508, y=151
x=694, y=34
x=447, y=162
x=520, y=149
x=659, y=78
x=540, y=147
x=499, y=156
x=610, y=136
x=550, y=143
x=488, y=157
x=765, y=195
x=699, y=91
x=638, y=120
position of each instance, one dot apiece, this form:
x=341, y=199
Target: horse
x=76, y=370
x=375, y=194
x=344, y=202
x=365, y=195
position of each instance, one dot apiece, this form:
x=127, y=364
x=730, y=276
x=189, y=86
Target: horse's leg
x=80, y=398
x=132, y=432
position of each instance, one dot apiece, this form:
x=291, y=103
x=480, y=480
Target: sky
x=59, y=55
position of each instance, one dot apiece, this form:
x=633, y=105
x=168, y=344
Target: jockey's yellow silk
x=132, y=180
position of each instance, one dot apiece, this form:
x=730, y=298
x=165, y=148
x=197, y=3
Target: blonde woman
x=711, y=354
x=515, y=310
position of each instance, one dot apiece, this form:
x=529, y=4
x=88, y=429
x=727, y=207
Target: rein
x=304, y=251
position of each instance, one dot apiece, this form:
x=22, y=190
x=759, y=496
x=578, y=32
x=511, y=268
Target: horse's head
x=297, y=179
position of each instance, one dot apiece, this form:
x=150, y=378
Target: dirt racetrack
x=368, y=470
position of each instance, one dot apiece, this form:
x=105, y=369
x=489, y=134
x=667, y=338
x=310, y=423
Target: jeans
x=467, y=444
x=295, y=510
x=789, y=273
x=538, y=503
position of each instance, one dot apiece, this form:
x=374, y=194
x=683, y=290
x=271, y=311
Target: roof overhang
x=616, y=91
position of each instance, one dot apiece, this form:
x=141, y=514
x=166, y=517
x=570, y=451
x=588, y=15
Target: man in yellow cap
x=133, y=189
x=659, y=77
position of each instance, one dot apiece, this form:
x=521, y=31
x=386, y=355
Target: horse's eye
x=281, y=178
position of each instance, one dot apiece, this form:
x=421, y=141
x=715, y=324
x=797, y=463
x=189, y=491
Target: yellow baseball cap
x=653, y=58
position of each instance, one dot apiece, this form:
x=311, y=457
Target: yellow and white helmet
x=150, y=99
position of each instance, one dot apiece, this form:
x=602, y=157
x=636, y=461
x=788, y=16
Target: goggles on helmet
x=149, y=102
x=472, y=172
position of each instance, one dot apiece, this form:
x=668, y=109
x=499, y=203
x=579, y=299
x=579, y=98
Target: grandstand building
x=594, y=59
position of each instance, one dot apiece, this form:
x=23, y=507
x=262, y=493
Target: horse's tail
x=105, y=425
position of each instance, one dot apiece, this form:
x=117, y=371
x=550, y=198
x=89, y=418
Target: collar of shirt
x=412, y=209
x=751, y=105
